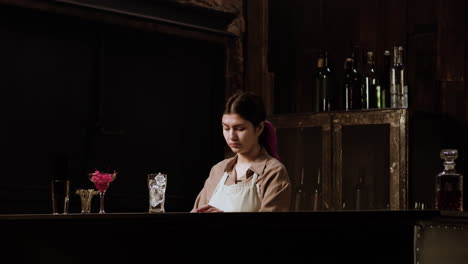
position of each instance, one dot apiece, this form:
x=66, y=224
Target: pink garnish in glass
x=102, y=180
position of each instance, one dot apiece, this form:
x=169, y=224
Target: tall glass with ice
x=157, y=192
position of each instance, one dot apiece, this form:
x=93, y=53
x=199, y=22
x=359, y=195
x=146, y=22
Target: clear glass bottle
x=385, y=81
x=318, y=77
x=316, y=194
x=449, y=184
x=329, y=85
x=404, y=87
x=361, y=194
x=370, y=91
x=397, y=77
x=348, y=85
x=357, y=102
x=300, y=194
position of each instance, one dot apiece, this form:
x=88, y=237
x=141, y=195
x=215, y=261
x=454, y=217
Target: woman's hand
x=207, y=209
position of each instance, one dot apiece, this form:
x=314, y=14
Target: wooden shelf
x=169, y=17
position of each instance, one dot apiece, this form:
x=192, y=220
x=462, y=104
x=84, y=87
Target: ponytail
x=251, y=107
x=270, y=140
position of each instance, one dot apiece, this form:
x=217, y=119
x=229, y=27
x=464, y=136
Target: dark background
x=79, y=95
x=432, y=33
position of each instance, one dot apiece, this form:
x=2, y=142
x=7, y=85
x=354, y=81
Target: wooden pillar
x=257, y=77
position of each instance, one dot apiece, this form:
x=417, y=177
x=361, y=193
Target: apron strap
x=221, y=182
x=255, y=176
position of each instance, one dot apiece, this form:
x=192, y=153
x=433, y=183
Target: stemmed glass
x=101, y=182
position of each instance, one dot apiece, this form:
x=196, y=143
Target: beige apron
x=240, y=197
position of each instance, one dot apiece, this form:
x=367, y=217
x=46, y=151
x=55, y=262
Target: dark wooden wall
x=80, y=94
x=432, y=34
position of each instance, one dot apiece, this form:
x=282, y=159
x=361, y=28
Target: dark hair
x=251, y=107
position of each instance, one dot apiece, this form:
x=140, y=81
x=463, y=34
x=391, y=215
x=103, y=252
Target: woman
x=254, y=180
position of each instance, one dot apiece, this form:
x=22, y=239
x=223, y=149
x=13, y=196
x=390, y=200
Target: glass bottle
x=397, y=78
x=449, y=184
x=356, y=104
x=318, y=93
x=361, y=194
x=300, y=194
x=324, y=81
x=370, y=89
x=348, y=85
x=385, y=81
x=329, y=85
x=404, y=87
x=316, y=197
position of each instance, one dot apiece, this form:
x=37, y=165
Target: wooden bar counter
x=295, y=237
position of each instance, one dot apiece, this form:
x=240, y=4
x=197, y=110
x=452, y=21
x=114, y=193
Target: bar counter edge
x=304, y=237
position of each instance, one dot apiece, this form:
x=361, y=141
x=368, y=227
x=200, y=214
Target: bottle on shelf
x=324, y=81
x=385, y=81
x=449, y=184
x=316, y=194
x=397, y=78
x=300, y=194
x=356, y=99
x=318, y=93
x=349, y=88
x=370, y=87
x=330, y=85
x=404, y=86
x=361, y=194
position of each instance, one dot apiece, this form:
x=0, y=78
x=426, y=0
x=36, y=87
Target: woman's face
x=240, y=134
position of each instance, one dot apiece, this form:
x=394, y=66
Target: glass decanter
x=449, y=184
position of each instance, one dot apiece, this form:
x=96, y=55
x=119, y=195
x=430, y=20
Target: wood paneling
x=450, y=44
x=256, y=51
x=432, y=34
x=300, y=30
x=107, y=97
x=433, y=38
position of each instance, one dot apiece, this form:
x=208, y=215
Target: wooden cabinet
x=336, y=151
x=284, y=44
x=305, y=147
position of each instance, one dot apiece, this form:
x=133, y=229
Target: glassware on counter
x=86, y=196
x=157, y=192
x=60, y=196
x=101, y=182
